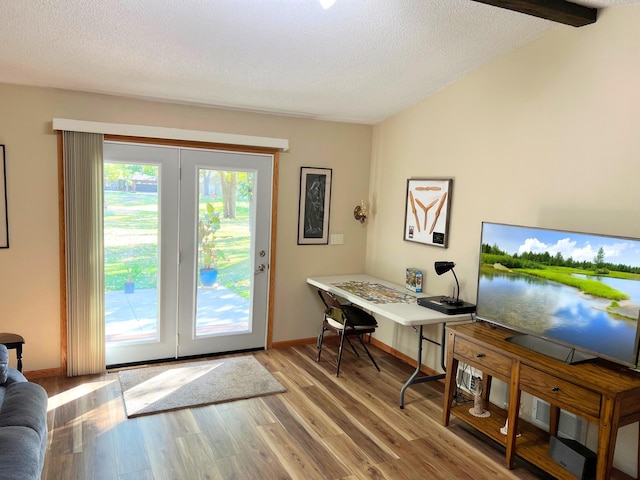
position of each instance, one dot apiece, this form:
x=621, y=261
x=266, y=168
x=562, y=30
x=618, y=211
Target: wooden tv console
x=602, y=392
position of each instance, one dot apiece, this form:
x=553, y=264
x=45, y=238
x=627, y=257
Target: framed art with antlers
x=427, y=208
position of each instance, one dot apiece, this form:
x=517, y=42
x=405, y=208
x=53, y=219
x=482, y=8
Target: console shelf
x=602, y=392
x=531, y=445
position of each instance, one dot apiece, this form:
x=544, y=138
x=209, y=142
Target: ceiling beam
x=555, y=10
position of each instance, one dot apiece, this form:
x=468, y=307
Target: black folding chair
x=347, y=321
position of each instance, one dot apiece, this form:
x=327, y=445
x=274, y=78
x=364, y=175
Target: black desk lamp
x=444, y=267
x=447, y=305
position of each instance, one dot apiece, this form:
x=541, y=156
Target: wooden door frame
x=169, y=143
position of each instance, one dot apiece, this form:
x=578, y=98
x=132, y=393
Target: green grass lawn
x=131, y=242
x=590, y=287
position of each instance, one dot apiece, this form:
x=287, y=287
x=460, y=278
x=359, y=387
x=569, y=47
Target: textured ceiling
x=359, y=61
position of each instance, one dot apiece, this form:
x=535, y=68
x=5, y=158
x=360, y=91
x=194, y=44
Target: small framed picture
x=426, y=218
x=314, y=205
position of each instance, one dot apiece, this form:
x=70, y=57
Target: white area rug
x=170, y=387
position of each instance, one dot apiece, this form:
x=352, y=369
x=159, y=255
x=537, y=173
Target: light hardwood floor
x=323, y=427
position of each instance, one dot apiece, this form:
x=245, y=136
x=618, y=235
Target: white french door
x=141, y=260
x=157, y=201
x=205, y=312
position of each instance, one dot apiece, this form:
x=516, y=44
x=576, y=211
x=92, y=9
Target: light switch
x=337, y=238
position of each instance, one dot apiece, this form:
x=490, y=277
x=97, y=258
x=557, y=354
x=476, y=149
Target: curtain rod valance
x=169, y=133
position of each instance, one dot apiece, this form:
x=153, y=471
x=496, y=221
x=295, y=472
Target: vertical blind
x=83, y=208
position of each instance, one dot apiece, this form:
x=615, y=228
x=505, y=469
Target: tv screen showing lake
x=579, y=289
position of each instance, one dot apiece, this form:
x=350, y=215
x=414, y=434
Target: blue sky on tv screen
x=579, y=246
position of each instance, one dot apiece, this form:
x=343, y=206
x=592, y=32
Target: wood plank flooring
x=323, y=427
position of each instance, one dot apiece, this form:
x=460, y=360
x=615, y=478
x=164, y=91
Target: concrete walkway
x=134, y=316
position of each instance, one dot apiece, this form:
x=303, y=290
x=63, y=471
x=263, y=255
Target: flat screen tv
x=573, y=295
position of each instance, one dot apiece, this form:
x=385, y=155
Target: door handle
x=261, y=268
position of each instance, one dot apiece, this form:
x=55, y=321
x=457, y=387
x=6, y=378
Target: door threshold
x=122, y=366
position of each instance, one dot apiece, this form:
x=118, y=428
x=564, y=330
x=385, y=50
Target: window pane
x=224, y=252
x=131, y=236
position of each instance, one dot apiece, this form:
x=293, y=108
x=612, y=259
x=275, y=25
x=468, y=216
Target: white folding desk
x=407, y=313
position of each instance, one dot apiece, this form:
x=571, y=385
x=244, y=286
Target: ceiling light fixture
x=327, y=3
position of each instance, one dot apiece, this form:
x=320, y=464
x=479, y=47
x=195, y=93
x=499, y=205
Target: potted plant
x=133, y=271
x=210, y=255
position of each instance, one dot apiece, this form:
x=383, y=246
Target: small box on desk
x=439, y=303
x=414, y=280
x=574, y=457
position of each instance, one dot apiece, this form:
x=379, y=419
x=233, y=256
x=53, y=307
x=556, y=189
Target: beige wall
x=29, y=269
x=547, y=135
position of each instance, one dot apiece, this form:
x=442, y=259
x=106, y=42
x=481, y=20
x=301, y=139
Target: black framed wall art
x=4, y=215
x=314, y=205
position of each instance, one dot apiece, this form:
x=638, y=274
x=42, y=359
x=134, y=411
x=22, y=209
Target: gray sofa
x=23, y=424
